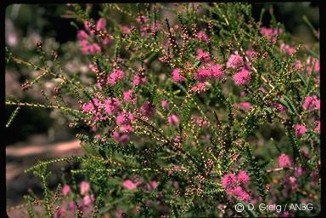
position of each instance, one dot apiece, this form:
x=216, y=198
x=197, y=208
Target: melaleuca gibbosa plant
x=188, y=110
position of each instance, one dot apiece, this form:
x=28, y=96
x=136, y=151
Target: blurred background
x=38, y=134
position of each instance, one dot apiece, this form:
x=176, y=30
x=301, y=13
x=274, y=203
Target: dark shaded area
x=290, y=14
x=28, y=121
x=23, y=183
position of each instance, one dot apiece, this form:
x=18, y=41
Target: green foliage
x=169, y=146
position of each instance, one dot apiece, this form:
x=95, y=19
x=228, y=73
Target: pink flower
x=126, y=128
x=85, y=47
x=128, y=184
x=311, y=102
x=124, y=118
x=241, y=194
x=94, y=68
x=91, y=106
x=145, y=30
x=312, y=64
x=235, y=61
x=87, y=26
x=286, y=214
x=279, y=107
x=216, y=71
x=111, y=105
x=299, y=129
x=165, y=104
x=82, y=35
x=199, y=87
x=287, y=49
x=177, y=76
x=115, y=76
x=119, y=213
x=66, y=190
x=198, y=120
x=298, y=171
x=88, y=107
x=60, y=212
x=94, y=48
x=139, y=80
x=202, y=36
x=142, y=19
x=298, y=65
x=202, y=55
x=251, y=53
x=243, y=177
x=317, y=104
x=229, y=181
x=270, y=33
x=245, y=105
x=120, y=137
x=101, y=24
x=173, y=119
x=106, y=41
x=88, y=200
x=147, y=109
x=242, y=77
x=156, y=26
x=152, y=185
x=72, y=206
x=292, y=180
x=202, y=74
x=84, y=187
x=125, y=30
x=284, y=161
x=129, y=96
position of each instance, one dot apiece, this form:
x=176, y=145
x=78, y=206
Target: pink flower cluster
x=132, y=185
x=173, y=119
x=300, y=129
x=246, y=106
x=311, y=102
x=287, y=49
x=139, y=79
x=87, y=199
x=207, y=71
x=129, y=96
x=147, y=109
x=202, y=36
x=199, y=121
x=234, y=185
x=177, y=75
x=203, y=55
x=235, y=61
x=124, y=123
x=115, y=76
x=199, y=87
x=284, y=161
x=88, y=45
x=242, y=77
x=100, y=110
x=312, y=64
x=213, y=71
x=279, y=107
x=270, y=33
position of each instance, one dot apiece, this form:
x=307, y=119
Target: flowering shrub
x=178, y=117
